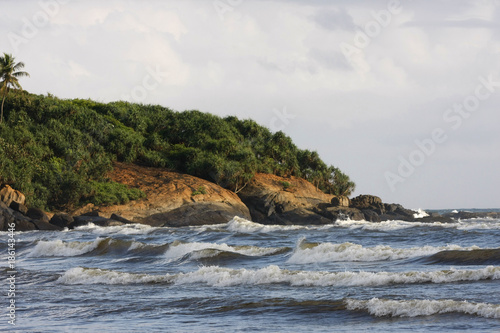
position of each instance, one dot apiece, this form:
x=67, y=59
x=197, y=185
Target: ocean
x=349, y=276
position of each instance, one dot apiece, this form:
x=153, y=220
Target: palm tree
x=9, y=73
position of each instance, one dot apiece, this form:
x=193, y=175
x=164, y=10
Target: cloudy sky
x=403, y=96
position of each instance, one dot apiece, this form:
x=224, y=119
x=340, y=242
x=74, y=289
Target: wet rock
x=368, y=202
x=37, y=214
x=62, y=220
x=18, y=207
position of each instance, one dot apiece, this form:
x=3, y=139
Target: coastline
x=174, y=200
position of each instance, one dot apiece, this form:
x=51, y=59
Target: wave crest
x=414, y=308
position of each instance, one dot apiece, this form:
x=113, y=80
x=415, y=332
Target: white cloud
x=274, y=54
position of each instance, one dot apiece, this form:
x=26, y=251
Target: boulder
x=170, y=193
x=62, y=220
x=368, y=202
x=271, y=202
x=397, y=212
x=341, y=201
x=42, y=225
x=370, y=215
x=196, y=214
x=340, y=213
x=9, y=195
x=37, y=214
x=18, y=207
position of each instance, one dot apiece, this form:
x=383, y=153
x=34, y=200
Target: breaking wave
x=222, y=277
x=326, y=252
x=413, y=308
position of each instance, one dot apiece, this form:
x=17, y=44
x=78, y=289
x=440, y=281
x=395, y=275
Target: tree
x=9, y=74
x=342, y=183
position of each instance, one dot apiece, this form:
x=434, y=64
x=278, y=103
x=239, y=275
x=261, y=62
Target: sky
x=403, y=96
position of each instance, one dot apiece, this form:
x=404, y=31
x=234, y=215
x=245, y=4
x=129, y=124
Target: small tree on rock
x=9, y=74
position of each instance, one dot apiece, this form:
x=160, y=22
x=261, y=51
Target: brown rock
x=167, y=191
x=341, y=201
x=8, y=195
x=269, y=201
x=368, y=202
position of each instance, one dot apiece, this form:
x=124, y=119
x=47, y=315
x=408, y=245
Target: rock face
x=174, y=199
x=9, y=195
x=341, y=201
x=276, y=200
x=10, y=217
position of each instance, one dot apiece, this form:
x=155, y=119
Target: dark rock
x=42, y=225
x=85, y=219
x=195, y=214
x=62, y=220
x=435, y=218
x=340, y=201
x=120, y=219
x=397, y=212
x=37, y=214
x=18, y=207
x=370, y=215
x=94, y=213
x=368, y=202
x=341, y=213
x=23, y=223
x=297, y=216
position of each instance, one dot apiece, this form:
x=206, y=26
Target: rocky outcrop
x=277, y=200
x=173, y=199
x=12, y=219
x=9, y=195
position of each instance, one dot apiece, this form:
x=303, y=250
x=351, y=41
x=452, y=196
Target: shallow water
x=245, y=277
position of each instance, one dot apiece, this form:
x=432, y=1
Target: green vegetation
x=58, y=151
x=200, y=190
x=286, y=185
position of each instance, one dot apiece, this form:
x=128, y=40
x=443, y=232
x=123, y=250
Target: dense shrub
x=59, y=151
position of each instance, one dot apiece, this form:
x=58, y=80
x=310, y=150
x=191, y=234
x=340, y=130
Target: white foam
x=80, y=275
x=222, y=277
x=59, y=248
x=327, y=252
x=126, y=229
x=420, y=213
x=391, y=225
x=238, y=224
x=414, y=308
x=202, y=250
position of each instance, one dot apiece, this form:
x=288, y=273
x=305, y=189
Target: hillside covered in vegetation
x=58, y=152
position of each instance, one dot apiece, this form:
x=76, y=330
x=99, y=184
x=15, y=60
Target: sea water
x=348, y=276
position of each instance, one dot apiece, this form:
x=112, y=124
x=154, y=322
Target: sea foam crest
x=126, y=229
x=222, y=277
x=59, y=248
x=80, y=275
x=241, y=225
x=420, y=213
x=414, y=308
x=199, y=250
x=326, y=252
x=472, y=224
